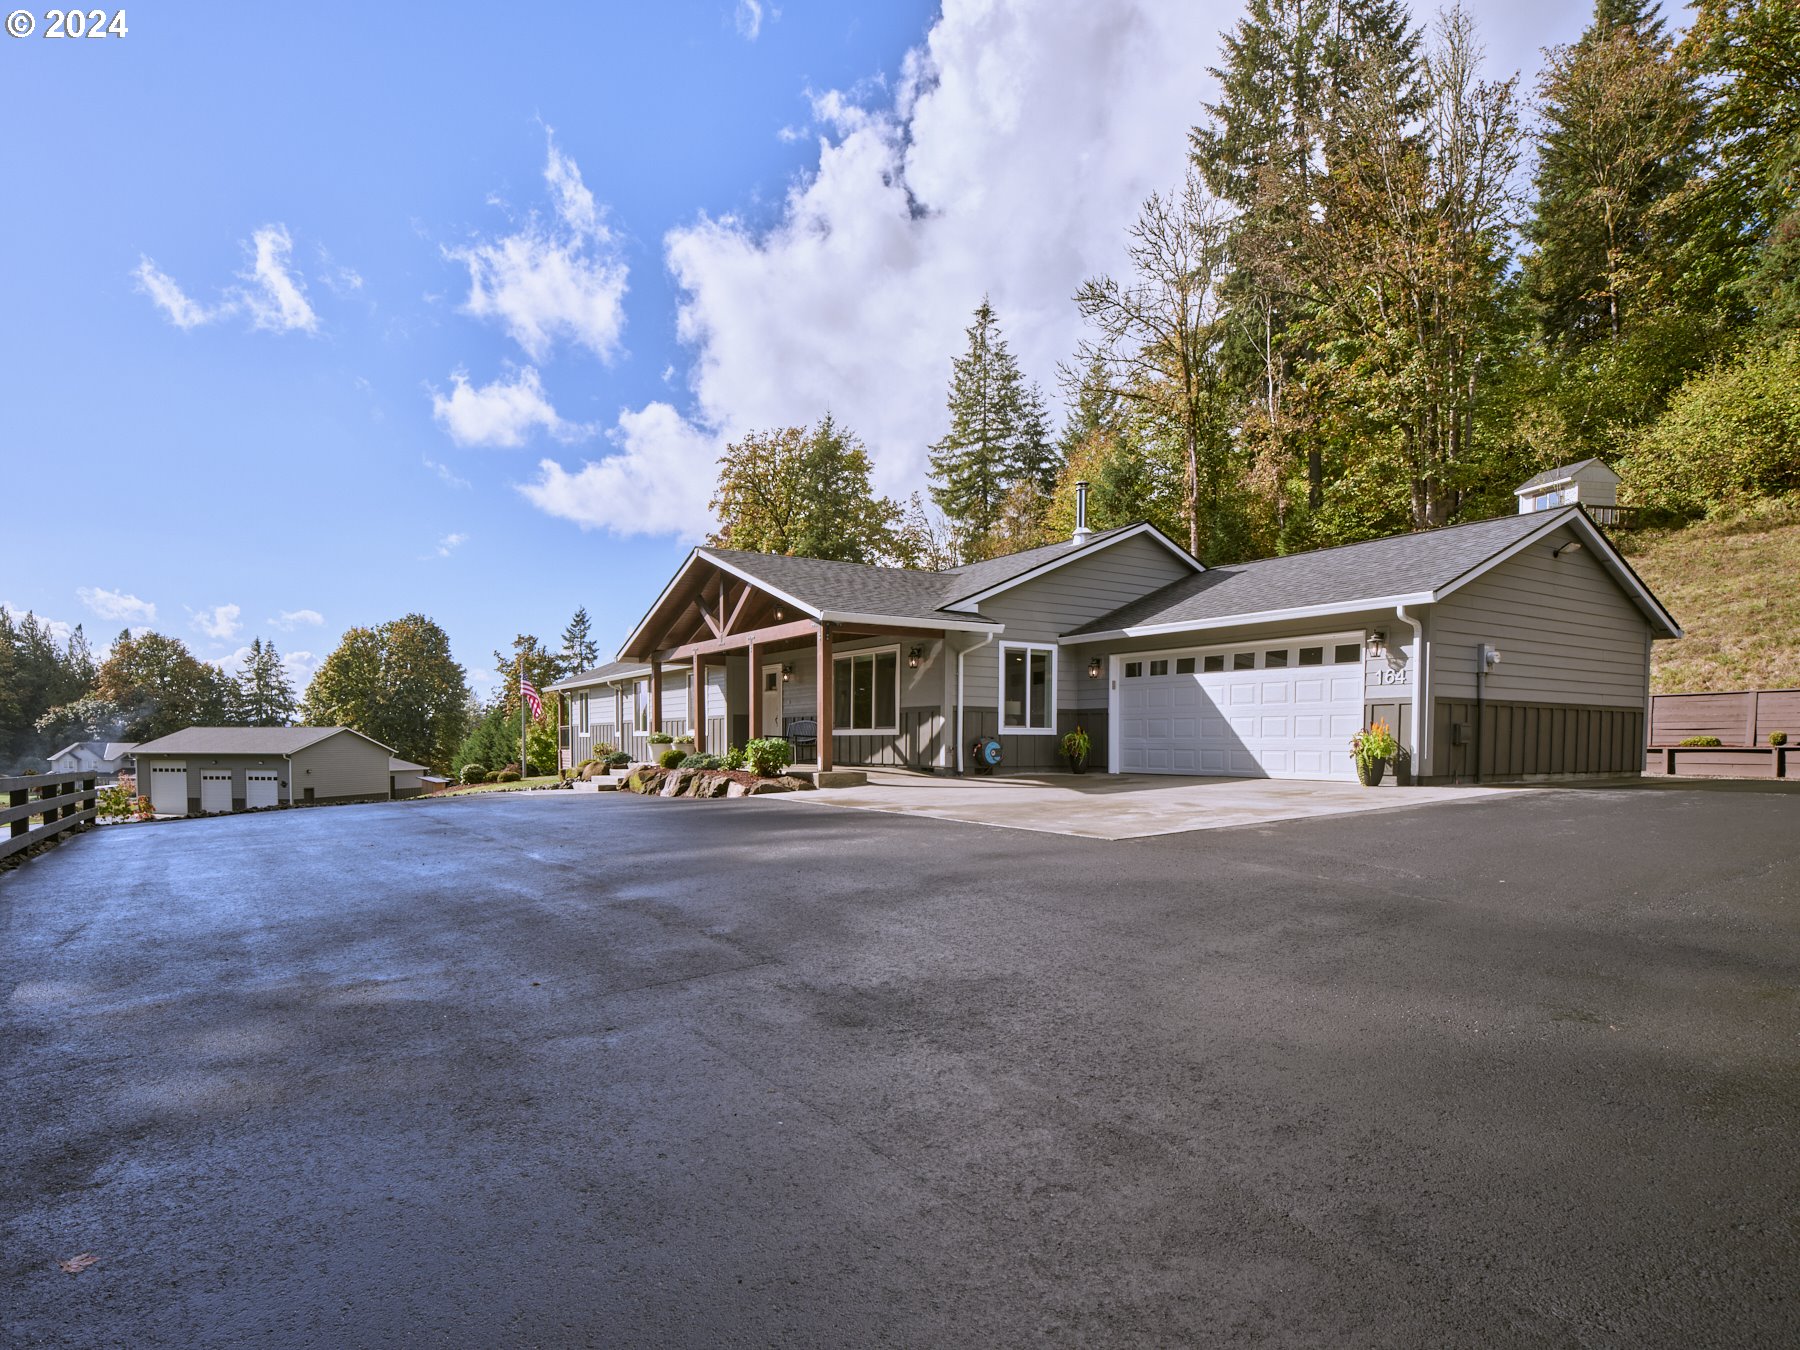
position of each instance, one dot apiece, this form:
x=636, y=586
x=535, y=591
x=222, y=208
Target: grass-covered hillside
x=1734, y=586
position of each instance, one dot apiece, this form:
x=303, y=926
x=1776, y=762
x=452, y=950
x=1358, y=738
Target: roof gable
x=1564, y=473
x=246, y=740
x=976, y=582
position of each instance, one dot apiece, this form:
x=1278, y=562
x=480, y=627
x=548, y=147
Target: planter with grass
x=1372, y=748
x=1076, y=747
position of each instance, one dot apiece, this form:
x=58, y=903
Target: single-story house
x=1509, y=648
x=208, y=770
x=1587, y=482
x=610, y=706
x=103, y=759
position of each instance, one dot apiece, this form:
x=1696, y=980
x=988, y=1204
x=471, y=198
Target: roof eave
x=1246, y=617
x=965, y=602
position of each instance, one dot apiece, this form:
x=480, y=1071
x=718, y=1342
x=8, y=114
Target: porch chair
x=803, y=735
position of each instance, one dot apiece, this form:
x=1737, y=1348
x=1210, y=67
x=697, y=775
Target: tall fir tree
x=265, y=694
x=986, y=448
x=579, y=650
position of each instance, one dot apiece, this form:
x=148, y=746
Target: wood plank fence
x=65, y=801
x=1742, y=719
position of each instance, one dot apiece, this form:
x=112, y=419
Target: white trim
x=1050, y=653
x=1114, y=667
x=966, y=603
x=961, y=723
x=1244, y=620
x=1421, y=694
x=1347, y=637
x=852, y=656
x=901, y=621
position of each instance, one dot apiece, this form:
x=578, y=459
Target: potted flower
x=685, y=744
x=1076, y=746
x=1373, y=747
x=655, y=743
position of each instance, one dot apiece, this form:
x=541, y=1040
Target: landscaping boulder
x=648, y=781
x=678, y=782
x=713, y=785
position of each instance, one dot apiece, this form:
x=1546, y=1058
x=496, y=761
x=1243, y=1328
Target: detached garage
x=217, y=770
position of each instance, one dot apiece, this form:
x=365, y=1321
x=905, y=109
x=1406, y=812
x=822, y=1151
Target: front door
x=771, y=700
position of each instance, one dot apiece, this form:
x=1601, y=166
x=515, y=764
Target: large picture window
x=865, y=689
x=1027, y=688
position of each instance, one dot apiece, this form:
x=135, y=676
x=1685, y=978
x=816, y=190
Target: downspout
x=1420, y=666
x=960, y=738
x=1480, y=697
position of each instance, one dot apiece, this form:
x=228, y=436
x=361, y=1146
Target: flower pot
x=1077, y=765
x=1369, y=772
x=685, y=744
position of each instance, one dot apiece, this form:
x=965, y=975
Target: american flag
x=532, y=700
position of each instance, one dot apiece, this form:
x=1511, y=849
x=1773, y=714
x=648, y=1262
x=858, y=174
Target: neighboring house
x=1586, y=482
x=1515, y=647
x=208, y=770
x=103, y=759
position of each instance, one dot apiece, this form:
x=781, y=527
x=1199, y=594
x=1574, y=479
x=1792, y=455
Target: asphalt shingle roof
x=236, y=740
x=1405, y=564
x=849, y=588
x=601, y=674
x=1556, y=475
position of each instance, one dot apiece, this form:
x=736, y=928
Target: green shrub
x=1076, y=745
x=698, y=761
x=1702, y=741
x=1778, y=738
x=474, y=773
x=768, y=756
x=734, y=758
x=618, y=759
x=507, y=776
x=602, y=750
x=670, y=759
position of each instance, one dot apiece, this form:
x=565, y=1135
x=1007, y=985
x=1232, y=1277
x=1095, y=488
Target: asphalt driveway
x=548, y=1069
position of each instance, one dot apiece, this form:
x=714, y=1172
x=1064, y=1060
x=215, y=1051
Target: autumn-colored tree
x=805, y=492
x=160, y=687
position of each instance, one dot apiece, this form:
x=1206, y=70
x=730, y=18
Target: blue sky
x=316, y=316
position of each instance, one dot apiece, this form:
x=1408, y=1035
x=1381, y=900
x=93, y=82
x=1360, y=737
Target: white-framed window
x=865, y=692
x=584, y=710
x=640, y=699
x=1027, y=689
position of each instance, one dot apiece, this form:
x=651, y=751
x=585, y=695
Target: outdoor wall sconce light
x=913, y=658
x=1378, y=642
x=1094, y=669
x=787, y=673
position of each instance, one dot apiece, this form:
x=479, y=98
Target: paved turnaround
x=543, y=1070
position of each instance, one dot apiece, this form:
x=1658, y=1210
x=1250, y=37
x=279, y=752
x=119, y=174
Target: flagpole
x=524, y=768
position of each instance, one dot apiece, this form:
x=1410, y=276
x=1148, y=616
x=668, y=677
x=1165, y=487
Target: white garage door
x=215, y=791
x=1256, y=710
x=168, y=789
x=261, y=788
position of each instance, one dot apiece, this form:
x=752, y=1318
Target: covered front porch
x=843, y=689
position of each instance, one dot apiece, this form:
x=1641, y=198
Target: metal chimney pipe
x=1082, y=532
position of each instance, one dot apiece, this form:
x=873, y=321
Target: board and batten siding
x=340, y=766
x=1567, y=633
x=918, y=742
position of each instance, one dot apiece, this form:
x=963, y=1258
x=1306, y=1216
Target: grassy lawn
x=1731, y=585
x=544, y=781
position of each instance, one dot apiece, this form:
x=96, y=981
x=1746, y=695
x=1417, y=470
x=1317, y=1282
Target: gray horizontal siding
x=1567, y=633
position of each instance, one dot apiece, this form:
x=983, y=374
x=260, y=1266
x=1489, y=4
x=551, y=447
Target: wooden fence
x=1742, y=720
x=65, y=801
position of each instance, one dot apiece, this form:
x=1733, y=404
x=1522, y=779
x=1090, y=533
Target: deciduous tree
x=805, y=492
x=396, y=683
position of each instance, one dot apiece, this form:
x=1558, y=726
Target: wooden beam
x=656, y=683
x=825, y=708
x=799, y=628
x=737, y=609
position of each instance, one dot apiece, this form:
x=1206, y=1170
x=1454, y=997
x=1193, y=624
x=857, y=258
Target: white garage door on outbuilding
x=215, y=791
x=261, y=788
x=168, y=789
x=1283, y=709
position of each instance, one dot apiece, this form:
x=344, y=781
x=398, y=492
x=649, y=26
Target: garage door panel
x=215, y=791
x=1269, y=721
x=261, y=790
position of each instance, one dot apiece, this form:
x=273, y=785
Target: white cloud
x=116, y=605
x=658, y=482
x=219, y=622
x=501, y=413
x=553, y=279
x=277, y=301
x=1015, y=150
x=59, y=630
x=291, y=619
x=448, y=545
x=444, y=471
x=168, y=296
x=749, y=17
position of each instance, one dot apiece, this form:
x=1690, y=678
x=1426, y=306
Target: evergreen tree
x=1621, y=123
x=265, y=694
x=579, y=650
x=37, y=675
x=979, y=458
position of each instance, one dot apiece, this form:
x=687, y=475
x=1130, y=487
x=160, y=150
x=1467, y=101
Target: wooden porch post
x=655, y=694
x=697, y=705
x=756, y=691
x=827, y=701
